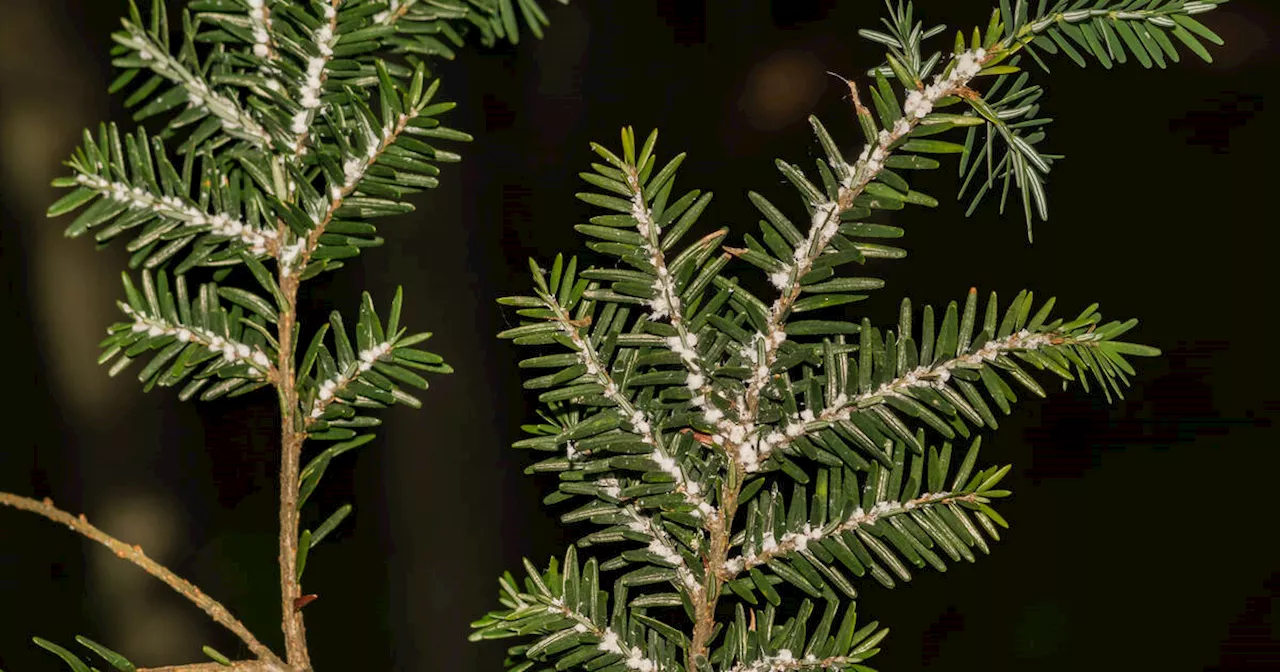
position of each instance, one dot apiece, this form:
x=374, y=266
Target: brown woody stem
x=292, y=436
x=236, y=666
x=134, y=554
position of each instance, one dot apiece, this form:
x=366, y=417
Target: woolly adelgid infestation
x=280, y=130
x=731, y=449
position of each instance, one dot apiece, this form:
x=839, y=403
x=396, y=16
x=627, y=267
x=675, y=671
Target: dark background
x=1142, y=532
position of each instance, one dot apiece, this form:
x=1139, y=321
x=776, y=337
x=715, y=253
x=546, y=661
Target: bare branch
x=135, y=555
x=236, y=666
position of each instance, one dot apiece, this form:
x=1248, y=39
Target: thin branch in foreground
x=135, y=555
x=236, y=666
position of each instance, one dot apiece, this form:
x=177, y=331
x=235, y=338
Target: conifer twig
x=318, y=161
x=396, y=9
x=134, y=554
x=293, y=434
x=687, y=377
x=236, y=666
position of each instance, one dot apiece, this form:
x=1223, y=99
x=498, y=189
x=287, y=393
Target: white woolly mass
x=756, y=448
x=661, y=546
x=309, y=94
x=695, y=381
x=920, y=103
x=643, y=216
x=329, y=387
x=592, y=367
x=175, y=208
x=882, y=508
x=393, y=6
x=842, y=406
x=235, y=120
x=686, y=347
x=312, y=86
x=664, y=462
x=968, y=64
x=825, y=222
x=917, y=105
x=824, y=225
x=609, y=642
x=783, y=661
x=872, y=159
x=260, y=22
x=937, y=376
x=353, y=169
x=665, y=552
x=781, y=277
x=666, y=300
x=637, y=661
x=290, y=254
x=799, y=540
x=749, y=457
x=662, y=306
x=232, y=352
x=640, y=422
x=901, y=127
